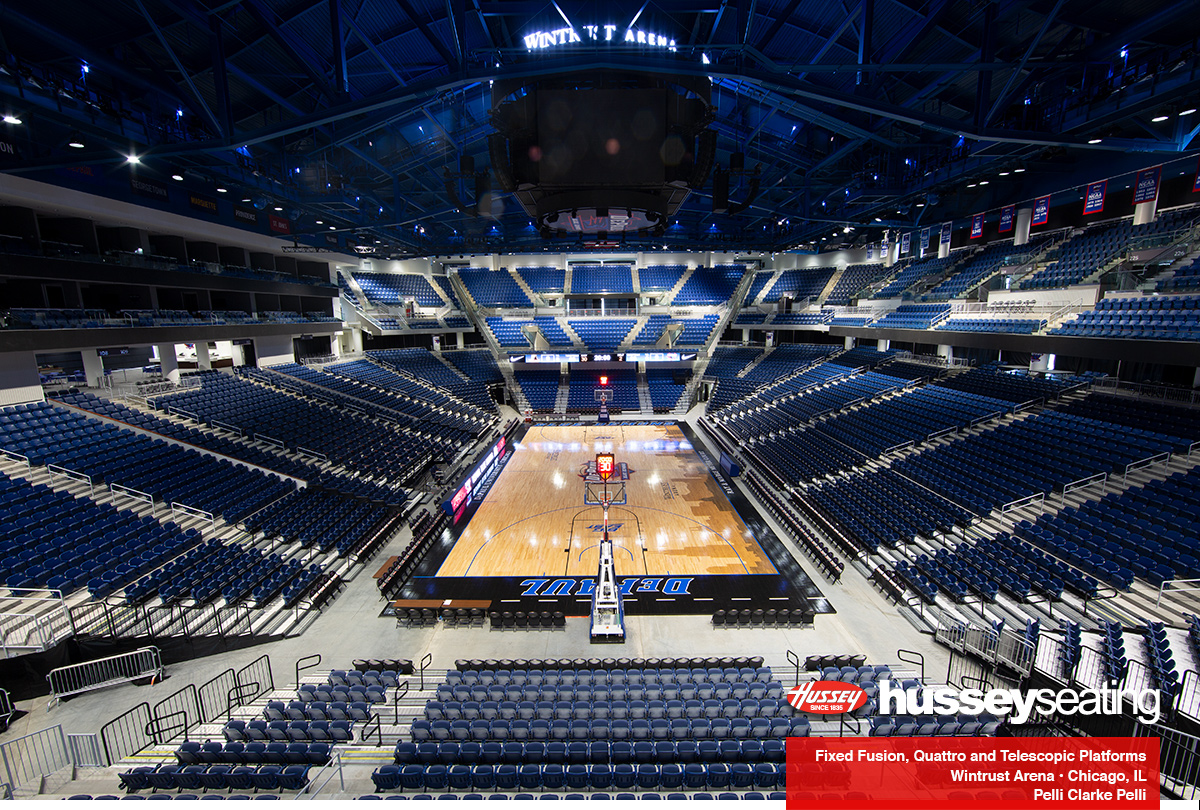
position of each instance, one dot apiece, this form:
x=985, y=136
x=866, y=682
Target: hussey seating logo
x=826, y=697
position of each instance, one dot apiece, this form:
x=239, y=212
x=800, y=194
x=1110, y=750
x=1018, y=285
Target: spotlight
x=11, y=119
x=279, y=208
x=1095, y=140
x=133, y=160
x=221, y=189
x=177, y=177
x=1188, y=111
x=1158, y=119
x=76, y=141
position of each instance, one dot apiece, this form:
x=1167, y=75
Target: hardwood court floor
x=534, y=522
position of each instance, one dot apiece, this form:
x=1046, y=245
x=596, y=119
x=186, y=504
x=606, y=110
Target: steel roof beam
x=408, y=9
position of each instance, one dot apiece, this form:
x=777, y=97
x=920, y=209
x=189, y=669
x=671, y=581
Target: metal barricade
x=127, y=734
x=76, y=679
x=35, y=755
x=1178, y=760
x=85, y=750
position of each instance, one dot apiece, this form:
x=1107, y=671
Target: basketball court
x=676, y=519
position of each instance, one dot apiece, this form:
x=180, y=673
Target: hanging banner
x=924, y=240
x=946, y=230
x=905, y=243
x=1093, y=198
x=977, y=226
x=280, y=224
x=1007, y=214
x=1041, y=210
x=870, y=251
x=1196, y=182
x=1145, y=186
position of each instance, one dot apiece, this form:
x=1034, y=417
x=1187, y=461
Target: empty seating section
x=508, y=333
x=603, y=335
x=804, y=456
x=850, y=320
x=420, y=375
x=664, y=391
x=493, y=288
x=1158, y=317
x=913, y=316
x=1020, y=459
x=862, y=357
x=652, y=330
x=913, y=416
x=322, y=519
x=881, y=508
x=799, y=284
x=802, y=318
x=249, y=778
x=1184, y=278
x=757, y=284
x=622, y=382
x=551, y=330
x=478, y=364
x=750, y=318
x=216, y=569
x=710, y=285
x=1016, y=326
x=110, y=454
x=392, y=452
x=544, y=279
x=241, y=753
x=1149, y=531
x=540, y=387
x=854, y=279
x=696, y=331
x=781, y=364
x=727, y=361
x=54, y=540
x=424, y=365
x=59, y=319
x=981, y=266
x=778, y=410
x=1140, y=414
x=910, y=275
x=660, y=277
x=397, y=288
x=187, y=434
x=1086, y=252
x=991, y=381
x=380, y=391
x=597, y=278
x=784, y=390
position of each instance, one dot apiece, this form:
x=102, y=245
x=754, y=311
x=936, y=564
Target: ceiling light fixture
x=9, y=118
x=76, y=141
x=1095, y=140
x=177, y=177
x=133, y=160
x=1188, y=111
x=1158, y=119
x=1018, y=171
x=221, y=189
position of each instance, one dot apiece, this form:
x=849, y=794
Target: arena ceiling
x=865, y=113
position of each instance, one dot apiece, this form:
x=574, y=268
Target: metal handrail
x=424, y=663
x=302, y=664
x=240, y=690
x=919, y=660
x=401, y=691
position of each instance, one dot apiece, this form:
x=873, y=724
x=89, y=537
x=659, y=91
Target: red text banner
x=945, y=773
